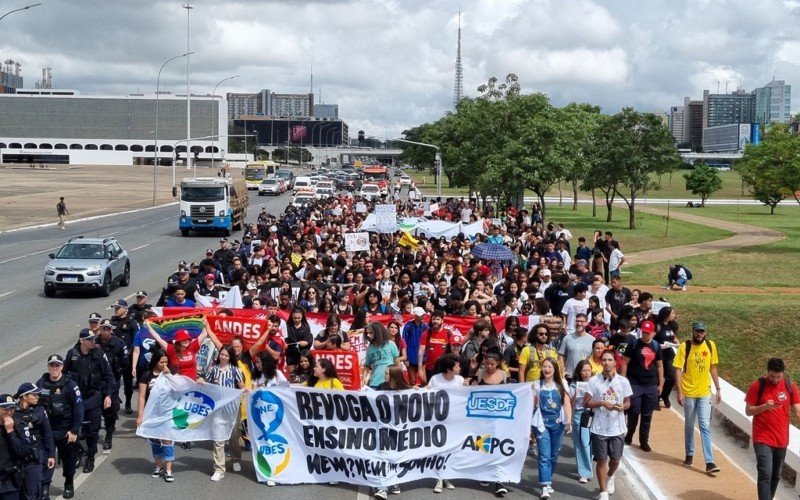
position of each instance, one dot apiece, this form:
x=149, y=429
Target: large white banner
x=303, y=435
x=180, y=409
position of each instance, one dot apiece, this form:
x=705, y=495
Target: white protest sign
x=356, y=242
x=386, y=218
x=372, y=438
x=361, y=208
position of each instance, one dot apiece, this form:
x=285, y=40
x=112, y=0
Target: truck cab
x=212, y=204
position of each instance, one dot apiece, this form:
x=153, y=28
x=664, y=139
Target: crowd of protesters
x=600, y=359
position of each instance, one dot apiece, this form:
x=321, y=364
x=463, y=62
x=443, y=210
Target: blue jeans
x=699, y=408
x=581, y=441
x=548, y=444
x=681, y=281
x=163, y=451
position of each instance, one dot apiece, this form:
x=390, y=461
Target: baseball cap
x=210, y=276
x=95, y=317
x=208, y=251
x=545, y=272
x=141, y=293
x=121, y=303
x=456, y=339
x=418, y=311
x=648, y=326
x=86, y=334
x=699, y=325
x=55, y=359
x=182, y=335
x=107, y=324
x=184, y=270
x=28, y=388
x=273, y=229
x=223, y=240
x=7, y=401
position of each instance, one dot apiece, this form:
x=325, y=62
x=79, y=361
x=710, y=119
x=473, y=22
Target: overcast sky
x=390, y=64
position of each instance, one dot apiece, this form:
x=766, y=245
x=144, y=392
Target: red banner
x=347, y=367
x=248, y=329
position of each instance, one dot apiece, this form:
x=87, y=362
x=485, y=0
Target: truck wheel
x=184, y=232
x=49, y=291
x=226, y=232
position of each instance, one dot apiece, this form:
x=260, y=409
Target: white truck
x=212, y=204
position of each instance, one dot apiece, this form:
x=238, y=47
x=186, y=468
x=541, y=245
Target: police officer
x=61, y=398
x=94, y=322
x=88, y=366
x=125, y=327
x=33, y=422
x=12, y=450
x=137, y=309
x=119, y=358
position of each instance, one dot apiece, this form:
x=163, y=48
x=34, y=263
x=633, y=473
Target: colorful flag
x=166, y=326
x=232, y=299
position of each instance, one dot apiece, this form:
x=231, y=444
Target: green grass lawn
x=749, y=329
x=774, y=264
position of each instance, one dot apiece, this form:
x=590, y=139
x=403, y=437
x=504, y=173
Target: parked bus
x=257, y=171
x=377, y=174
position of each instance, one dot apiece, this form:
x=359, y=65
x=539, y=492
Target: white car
x=370, y=191
x=405, y=180
x=270, y=185
x=322, y=192
x=303, y=199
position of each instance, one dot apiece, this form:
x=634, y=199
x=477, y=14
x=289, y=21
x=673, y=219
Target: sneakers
x=545, y=492
x=499, y=489
x=394, y=489
x=712, y=468
x=448, y=484
x=603, y=496
x=156, y=472
x=217, y=476
x=437, y=488
x=381, y=494
x=610, y=487
x=583, y=480
x=683, y=288
x=188, y=446
x=270, y=483
x=168, y=477
x=237, y=467
x=688, y=461
x=645, y=447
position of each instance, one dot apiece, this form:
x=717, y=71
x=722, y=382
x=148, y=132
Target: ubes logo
x=190, y=410
x=491, y=404
x=488, y=445
x=273, y=452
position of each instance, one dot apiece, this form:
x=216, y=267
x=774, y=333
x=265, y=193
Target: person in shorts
x=608, y=395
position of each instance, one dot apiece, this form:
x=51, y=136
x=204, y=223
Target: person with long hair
x=552, y=416
x=381, y=353
x=333, y=329
x=394, y=379
x=581, y=435
x=324, y=376
x=163, y=451
x=226, y=373
x=395, y=335
x=667, y=336
x=304, y=369
x=594, y=359
x=298, y=337
x=265, y=371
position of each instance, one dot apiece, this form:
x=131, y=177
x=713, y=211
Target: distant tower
x=458, y=87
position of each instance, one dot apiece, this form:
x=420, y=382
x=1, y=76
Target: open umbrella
x=492, y=251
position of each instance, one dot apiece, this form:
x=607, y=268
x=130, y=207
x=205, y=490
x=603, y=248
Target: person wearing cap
x=125, y=327
x=32, y=417
x=412, y=334
x=224, y=255
x=94, y=322
x=13, y=449
x=182, y=351
x=118, y=357
x=61, y=398
x=645, y=372
x=88, y=366
x=208, y=287
x=695, y=368
x=137, y=309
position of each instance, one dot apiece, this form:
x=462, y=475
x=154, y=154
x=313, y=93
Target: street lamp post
x=213, y=133
x=438, y=160
x=21, y=8
x=188, y=8
x=155, y=135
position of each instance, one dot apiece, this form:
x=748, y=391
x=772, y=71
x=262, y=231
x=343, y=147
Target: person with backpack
x=695, y=368
x=644, y=370
x=679, y=275
x=769, y=401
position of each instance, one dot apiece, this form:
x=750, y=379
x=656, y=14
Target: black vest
x=31, y=419
x=55, y=401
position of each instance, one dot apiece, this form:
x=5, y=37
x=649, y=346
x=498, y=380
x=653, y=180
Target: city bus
x=257, y=171
x=377, y=174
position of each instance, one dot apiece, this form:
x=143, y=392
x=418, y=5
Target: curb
x=94, y=217
x=636, y=472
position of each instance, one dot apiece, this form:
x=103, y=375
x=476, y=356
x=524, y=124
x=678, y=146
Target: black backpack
x=762, y=385
x=688, y=272
x=689, y=348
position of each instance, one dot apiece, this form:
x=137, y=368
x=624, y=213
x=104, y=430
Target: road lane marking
x=139, y=247
x=363, y=493
x=126, y=298
x=28, y=255
x=6, y=293
x=81, y=477
x=17, y=358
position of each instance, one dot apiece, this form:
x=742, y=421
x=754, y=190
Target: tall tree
x=702, y=181
x=581, y=121
x=771, y=169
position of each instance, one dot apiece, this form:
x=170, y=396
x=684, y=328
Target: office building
x=326, y=111
x=773, y=102
x=725, y=109
x=244, y=104
x=676, y=123
x=693, y=124
x=731, y=138
x=10, y=79
x=288, y=105
x=60, y=126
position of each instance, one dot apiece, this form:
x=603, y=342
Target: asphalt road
x=33, y=327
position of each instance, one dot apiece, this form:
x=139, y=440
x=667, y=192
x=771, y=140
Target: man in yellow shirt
x=695, y=368
x=532, y=355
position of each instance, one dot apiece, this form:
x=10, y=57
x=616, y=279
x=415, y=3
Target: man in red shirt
x=769, y=400
x=432, y=345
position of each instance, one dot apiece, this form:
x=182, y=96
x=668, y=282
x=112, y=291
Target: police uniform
x=13, y=448
x=93, y=374
x=126, y=328
x=34, y=427
x=118, y=357
x=136, y=311
x=63, y=403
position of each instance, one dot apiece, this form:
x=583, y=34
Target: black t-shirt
x=642, y=367
x=665, y=332
x=147, y=377
x=621, y=342
x=616, y=299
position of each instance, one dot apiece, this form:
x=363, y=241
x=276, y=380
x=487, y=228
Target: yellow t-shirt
x=333, y=383
x=696, y=379
x=534, y=368
x=597, y=368
x=248, y=384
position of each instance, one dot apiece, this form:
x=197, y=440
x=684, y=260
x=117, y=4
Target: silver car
x=87, y=264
